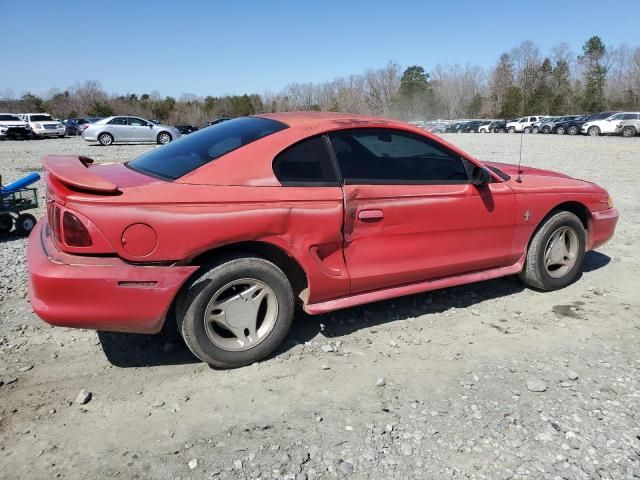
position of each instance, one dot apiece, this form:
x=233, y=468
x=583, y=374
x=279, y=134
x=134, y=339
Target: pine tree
x=595, y=74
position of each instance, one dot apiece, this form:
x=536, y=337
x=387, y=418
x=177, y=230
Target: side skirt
x=386, y=294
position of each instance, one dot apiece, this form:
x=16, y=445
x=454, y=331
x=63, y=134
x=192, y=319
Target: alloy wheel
x=241, y=314
x=561, y=252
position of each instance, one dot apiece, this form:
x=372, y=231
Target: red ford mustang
x=230, y=225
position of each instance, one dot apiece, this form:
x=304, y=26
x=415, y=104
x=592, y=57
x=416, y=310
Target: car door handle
x=370, y=215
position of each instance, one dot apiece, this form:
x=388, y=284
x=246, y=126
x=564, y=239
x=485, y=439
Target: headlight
x=60, y=125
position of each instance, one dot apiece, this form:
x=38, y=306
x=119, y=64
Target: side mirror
x=480, y=177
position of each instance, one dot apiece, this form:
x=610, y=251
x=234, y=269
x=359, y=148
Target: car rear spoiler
x=75, y=172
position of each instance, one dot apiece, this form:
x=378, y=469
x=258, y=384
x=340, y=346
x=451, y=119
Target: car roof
x=252, y=164
x=324, y=121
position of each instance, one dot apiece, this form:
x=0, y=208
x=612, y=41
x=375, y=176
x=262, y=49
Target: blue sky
x=216, y=47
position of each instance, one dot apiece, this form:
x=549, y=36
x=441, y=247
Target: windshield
x=9, y=118
x=41, y=118
x=178, y=158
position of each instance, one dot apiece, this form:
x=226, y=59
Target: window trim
x=307, y=183
x=359, y=181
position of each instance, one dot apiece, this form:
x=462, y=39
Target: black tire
x=593, y=131
x=534, y=274
x=61, y=136
x=500, y=130
x=6, y=223
x=546, y=129
x=105, y=139
x=511, y=130
x=163, y=138
x=526, y=130
x=560, y=131
x=33, y=136
x=628, y=131
x=573, y=130
x=193, y=302
x=25, y=223
x=535, y=130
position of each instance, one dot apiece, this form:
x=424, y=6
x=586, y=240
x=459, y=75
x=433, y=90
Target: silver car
x=128, y=129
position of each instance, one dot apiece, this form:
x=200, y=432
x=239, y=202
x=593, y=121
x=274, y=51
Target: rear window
x=178, y=158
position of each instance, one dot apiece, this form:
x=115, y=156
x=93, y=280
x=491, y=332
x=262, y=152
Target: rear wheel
x=25, y=223
x=164, y=138
x=593, y=131
x=573, y=130
x=105, y=139
x=560, y=131
x=535, y=130
x=555, y=255
x=236, y=312
x=6, y=223
x=526, y=130
x=628, y=131
x=512, y=130
x=546, y=129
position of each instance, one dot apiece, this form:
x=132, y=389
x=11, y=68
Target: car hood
x=512, y=170
x=538, y=180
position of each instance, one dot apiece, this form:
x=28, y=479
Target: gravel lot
x=488, y=381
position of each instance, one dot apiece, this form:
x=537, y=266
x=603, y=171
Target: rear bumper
x=101, y=293
x=603, y=224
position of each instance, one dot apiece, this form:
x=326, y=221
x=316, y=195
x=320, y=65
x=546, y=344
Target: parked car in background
x=573, y=127
x=474, y=126
x=128, y=129
x=523, y=124
x=438, y=127
x=43, y=125
x=607, y=126
x=73, y=125
x=234, y=224
x=546, y=125
x=500, y=126
x=488, y=126
x=12, y=126
x=628, y=128
x=186, y=129
x=456, y=127
x=537, y=126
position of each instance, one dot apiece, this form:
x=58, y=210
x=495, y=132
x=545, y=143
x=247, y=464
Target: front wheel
x=105, y=139
x=236, y=312
x=546, y=129
x=535, y=130
x=573, y=130
x=512, y=130
x=555, y=255
x=560, y=131
x=593, y=131
x=164, y=138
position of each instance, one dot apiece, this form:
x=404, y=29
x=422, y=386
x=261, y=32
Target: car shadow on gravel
x=126, y=350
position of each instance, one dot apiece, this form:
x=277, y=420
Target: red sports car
x=229, y=226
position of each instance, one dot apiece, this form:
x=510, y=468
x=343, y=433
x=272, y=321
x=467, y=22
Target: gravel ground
x=487, y=381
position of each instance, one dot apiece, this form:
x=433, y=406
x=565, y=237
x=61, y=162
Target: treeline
x=523, y=81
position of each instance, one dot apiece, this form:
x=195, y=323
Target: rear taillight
x=54, y=220
x=75, y=233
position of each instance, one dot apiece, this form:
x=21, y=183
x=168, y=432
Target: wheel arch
x=267, y=250
x=579, y=209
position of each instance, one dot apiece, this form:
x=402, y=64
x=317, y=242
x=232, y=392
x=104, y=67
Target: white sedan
x=127, y=129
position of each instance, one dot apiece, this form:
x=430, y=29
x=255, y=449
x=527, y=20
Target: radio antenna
x=519, y=177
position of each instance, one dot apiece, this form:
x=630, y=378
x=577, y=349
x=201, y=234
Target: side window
x=307, y=162
x=137, y=122
x=376, y=156
x=118, y=121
